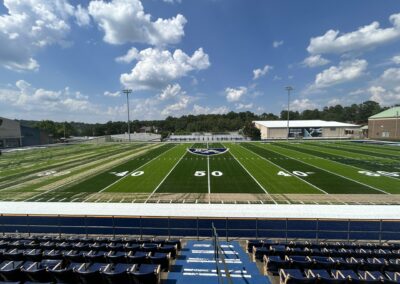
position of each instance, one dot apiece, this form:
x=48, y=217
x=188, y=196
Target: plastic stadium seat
x=11, y=270
x=10, y=282
x=162, y=259
x=52, y=254
x=137, y=257
x=132, y=246
x=94, y=256
x=33, y=254
x=48, y=245
x=116, y=273
x=260, y=252
x=146, y=274
x=89, y=273
x=393, y=264
x=116, y=257
x=172, y=249
x=64, y=246
x=322, y=262
x=4, y=244
x=273, y=263
x=253, y=243
x=371, y=277
x=37, y=271
x=98, y=246
x=299, y=262
x=322, y=276
x=65, y=274
x=117, y=246
x=375, y=264
x=392, y=277
x=14, y=254
x=347, y=275
x=80, y=246
x=294, y=276
x=149, y=247
x=74, y=256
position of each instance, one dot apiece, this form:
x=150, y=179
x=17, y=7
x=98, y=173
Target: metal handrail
x=219, y=255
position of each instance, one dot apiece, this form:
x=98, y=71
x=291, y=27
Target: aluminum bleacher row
x=45, y=259
x=328, y=262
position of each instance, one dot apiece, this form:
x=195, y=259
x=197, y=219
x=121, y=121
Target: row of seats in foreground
x=272, y=264
x=59, y=271
x=310, y=276
x=370, y=251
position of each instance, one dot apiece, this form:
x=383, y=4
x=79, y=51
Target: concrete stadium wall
x=192, y=227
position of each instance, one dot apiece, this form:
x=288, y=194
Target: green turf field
x=332, y=172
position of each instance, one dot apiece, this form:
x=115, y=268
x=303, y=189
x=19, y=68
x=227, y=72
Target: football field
x=312, y=172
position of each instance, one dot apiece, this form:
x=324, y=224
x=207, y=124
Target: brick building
x=385, y=125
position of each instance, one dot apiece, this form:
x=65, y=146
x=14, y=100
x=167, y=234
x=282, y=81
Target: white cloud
x=383, y=96
x=171, y=91
x=82, y=16
x=302, y=104
x=180, y=105
x=368, y=36
x=28, y=27
x=346, y=71
x=241, y=106
x=277, y=43
x=197, y=109
x=172, y=1
x=396, y=59
x=315, y=61
x=112, y=94
x=131, y=55
x=29, y=100
x=235, y=94
x=125, y=21
x=257, y=73
x=391, y=74
x=157, y=68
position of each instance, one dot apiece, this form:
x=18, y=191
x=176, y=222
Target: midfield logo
x=207, y=152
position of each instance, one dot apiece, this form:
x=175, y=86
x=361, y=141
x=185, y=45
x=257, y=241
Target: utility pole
x=127, y=92
x=288, y=89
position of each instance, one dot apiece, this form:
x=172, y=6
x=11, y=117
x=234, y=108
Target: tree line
x=217, y=123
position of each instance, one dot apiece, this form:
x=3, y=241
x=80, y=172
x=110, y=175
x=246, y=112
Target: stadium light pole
x=288, y=89
x=127, y=92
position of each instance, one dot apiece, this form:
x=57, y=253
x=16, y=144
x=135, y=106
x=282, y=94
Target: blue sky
x=69, y=60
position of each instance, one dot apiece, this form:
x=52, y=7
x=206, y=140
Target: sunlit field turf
x=256, y=172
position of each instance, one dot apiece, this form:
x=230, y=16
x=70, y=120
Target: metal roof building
x=385, y=125
x=277, y=129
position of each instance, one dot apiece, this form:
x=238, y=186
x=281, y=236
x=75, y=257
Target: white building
x=277, y=129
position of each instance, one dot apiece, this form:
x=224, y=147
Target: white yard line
x=128, y=174
x=165, y=177
x=266, y=192
x=358, y=168
x=269, y=161
x=208, y=179
x=328, y=171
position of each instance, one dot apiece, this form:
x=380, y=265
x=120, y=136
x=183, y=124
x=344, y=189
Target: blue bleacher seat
x=295, y=276
x=392, y=277
x=137, y=257
x=371, y=277
x=89, y=273
x=116, y=273
x=63, y=273
x=274, y=263
x=146, y=273
x=11, y=270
